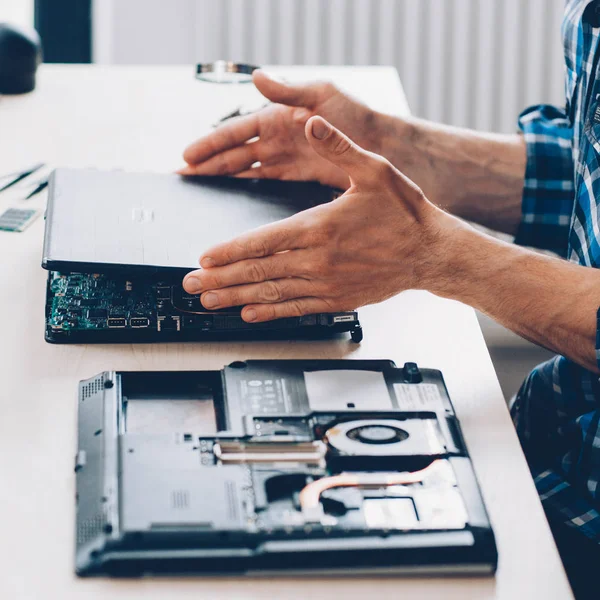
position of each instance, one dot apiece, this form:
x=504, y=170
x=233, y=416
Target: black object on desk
x=20, y=55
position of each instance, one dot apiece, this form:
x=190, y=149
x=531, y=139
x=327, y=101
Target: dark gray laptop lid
x=99, y=221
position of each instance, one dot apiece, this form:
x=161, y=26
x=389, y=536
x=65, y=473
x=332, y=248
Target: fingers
x=288, y=234
x=229, y=162
x=341, y=151
x=303, y=94
x=227, y=136
x=255, y=270
x=256, y=313
x=273, y=291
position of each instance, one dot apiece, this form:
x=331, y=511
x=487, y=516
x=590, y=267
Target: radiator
x=473, y=63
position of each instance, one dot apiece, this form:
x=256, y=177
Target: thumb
x=340, y=150
x=302, y=94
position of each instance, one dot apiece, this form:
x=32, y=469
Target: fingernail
x=207, y=262
x=320, y=129
x=192, y=285
x=250, y=315
x=209, y=300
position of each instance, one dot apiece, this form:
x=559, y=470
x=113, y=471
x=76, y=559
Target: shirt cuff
x=548, y=192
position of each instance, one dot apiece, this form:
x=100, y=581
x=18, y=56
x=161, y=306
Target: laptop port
x=138, y=322
x=117, y=322
x=169, y=324
x=344, y=318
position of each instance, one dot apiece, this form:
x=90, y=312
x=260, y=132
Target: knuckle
x=319, y=268
x=388, y=171
x=296, y=308
x=329, y=257
x=266, y=313
x=272, y=292
x=257, y=247
x=382, y=166
x=329, y=88
x=380, y=171
x=212, y=281
x=229, y=298
x=254, y=272
x=327, y=229
x=319, y=226
x=341, y=145
x=300, y=114
x=222, y=167
x=228, y=133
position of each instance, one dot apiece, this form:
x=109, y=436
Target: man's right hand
x=274, y=136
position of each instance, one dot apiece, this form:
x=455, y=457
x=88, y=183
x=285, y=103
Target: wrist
x=399, y=143
x=471, y=267
x=448, y=246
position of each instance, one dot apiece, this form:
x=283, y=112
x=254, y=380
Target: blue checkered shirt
x=557, y=410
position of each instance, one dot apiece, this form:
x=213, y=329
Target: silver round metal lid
x=222, y=71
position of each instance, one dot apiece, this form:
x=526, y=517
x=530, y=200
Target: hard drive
x=316, y=466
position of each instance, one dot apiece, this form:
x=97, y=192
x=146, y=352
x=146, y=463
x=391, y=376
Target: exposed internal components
x=235, y=469
x=145, y=309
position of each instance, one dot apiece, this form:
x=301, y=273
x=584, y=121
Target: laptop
x=117, y=246
x=274, y=466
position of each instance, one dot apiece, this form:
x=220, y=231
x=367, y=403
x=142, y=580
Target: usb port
x=344, y=318
x=117, y=322
x=139, y=322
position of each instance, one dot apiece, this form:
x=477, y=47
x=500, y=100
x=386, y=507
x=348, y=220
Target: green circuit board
x=84, y=302
x=78, y=301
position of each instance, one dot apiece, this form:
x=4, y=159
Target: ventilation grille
x=232, y=500
x=90, y=529
x=92, y=388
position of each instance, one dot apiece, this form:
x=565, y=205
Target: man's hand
x=380, y=238
x=274, y=136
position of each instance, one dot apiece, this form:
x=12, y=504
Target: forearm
x=477, y=176
x=547, y=300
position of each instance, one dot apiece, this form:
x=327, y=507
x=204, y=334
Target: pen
x=20, y=175
x=36, y=190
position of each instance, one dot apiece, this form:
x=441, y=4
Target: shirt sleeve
x=548, y=193
x=598, y=338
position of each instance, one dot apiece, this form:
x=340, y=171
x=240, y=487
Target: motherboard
x=94, y=301
x=92, y=304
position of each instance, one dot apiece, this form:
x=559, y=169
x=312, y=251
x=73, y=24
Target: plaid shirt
x=557, y=410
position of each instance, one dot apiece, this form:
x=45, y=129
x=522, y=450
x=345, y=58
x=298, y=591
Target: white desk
x=141, y=118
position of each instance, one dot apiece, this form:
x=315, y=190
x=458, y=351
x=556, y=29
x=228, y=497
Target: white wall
x=467, y=62
x=19, y=12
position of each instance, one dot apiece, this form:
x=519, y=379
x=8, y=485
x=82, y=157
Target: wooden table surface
x=140, y=118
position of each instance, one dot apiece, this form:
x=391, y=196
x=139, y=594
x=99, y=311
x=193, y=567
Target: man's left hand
x=379, y=238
